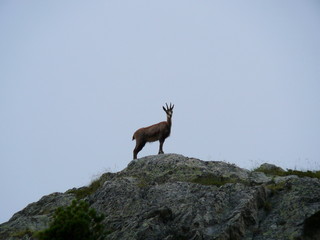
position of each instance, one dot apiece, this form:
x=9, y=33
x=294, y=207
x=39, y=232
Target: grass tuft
x=83, y=192
x=276, y=188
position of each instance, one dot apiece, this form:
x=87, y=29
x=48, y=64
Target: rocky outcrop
x=34, y=217
x=174, y=197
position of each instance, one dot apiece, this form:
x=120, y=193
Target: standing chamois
x=159, y=131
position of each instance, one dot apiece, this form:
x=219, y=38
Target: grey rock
x=259, y=178
x=174, y=167
x=173, y=197
x=34, y=217
x=285, y=179
x=298, y=200
x=267, y=167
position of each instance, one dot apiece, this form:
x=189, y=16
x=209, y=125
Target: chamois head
x=169, y=110
x=157, y=132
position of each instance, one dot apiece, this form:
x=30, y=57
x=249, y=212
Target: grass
x=83, y=192
x=276, y=172
x=208, y=180
x=212, y=180
x=276, y=188
x=312, y=174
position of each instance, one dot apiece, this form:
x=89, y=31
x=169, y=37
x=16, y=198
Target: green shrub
x=75, y=222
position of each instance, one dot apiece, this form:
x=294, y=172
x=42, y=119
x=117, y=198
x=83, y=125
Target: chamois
x=159, y=131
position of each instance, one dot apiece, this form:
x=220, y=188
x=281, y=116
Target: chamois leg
x=160, y=146
x=139, y=146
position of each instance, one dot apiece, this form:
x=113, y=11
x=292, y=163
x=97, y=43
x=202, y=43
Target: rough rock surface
x=174, y=197
x=34, y=217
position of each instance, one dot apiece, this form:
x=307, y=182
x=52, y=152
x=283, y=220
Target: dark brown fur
x=157, y=132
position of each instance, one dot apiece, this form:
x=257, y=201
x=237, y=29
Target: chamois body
x=157, y=132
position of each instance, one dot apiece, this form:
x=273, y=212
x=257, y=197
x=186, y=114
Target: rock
x=259, y=178
x=174, y=167
x=172, y=197
x=296, y=201
x=34, y=217
x=284, y=179
x=311, y=227
x=267, y=167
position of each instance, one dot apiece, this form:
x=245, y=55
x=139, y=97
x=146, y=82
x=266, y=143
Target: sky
x=77, y=78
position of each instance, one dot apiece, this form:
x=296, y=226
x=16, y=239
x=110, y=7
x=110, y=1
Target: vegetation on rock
x=83, y=192
x=170, y=196
x=280, y=172
x=75, y=222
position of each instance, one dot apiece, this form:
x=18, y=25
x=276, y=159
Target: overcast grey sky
x=77, y=78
